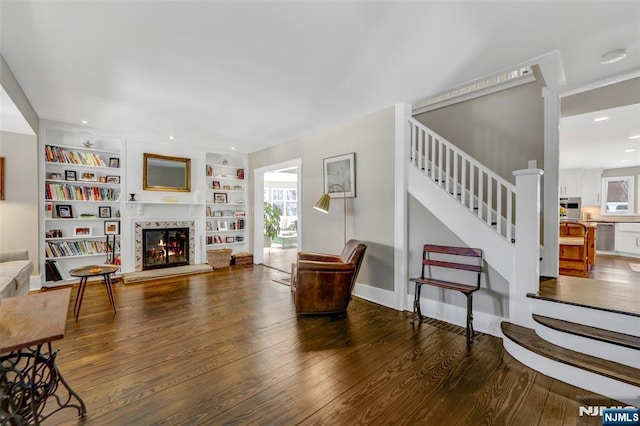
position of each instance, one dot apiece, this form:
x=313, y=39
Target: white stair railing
x=486, y=194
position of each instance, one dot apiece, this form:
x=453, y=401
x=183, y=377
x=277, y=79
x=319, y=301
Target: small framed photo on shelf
x=230, y=239
x=70, y=175
x=112, y=227
x=240, y=173
x=220, y=197
x=55, y=176
x=113, y=179
x=104, y=211
x=103, y=179
x=82, y=231
x=114, y=162
x=209, y=170
x=222, y=225
x=209, y=226
x=227, y=187
x=215, y=184
x=63, y=211
x=217, y=213
x=88, y=176
x=209, y=212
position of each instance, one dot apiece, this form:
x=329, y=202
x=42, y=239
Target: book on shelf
x=55, y=154
x=69, y=192
x=48, y=210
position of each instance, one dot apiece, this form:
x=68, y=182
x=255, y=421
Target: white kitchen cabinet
x=570, y=183
x=591, y=187
x=627, y=238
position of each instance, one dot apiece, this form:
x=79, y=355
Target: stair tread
x=530, y=340
x=595, y=333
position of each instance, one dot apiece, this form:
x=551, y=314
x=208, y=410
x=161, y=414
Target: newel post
x=526, y=276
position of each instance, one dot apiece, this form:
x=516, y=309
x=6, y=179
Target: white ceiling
x=253, y=74
x=606, y=144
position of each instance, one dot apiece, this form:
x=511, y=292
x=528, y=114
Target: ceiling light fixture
x=600, y=119
x=629, y=150
x=84, y=122
x=233, y=148
x=634, y=137
x=172, y=137
x=624, y=161
x=613, y=57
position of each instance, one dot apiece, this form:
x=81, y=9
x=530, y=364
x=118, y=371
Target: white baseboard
x=376, y=295
x=35, y=283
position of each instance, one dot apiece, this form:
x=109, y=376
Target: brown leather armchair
x=324, y=282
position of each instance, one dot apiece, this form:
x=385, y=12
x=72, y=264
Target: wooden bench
x=435, y=256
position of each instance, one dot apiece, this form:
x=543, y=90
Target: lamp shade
x=323, y=203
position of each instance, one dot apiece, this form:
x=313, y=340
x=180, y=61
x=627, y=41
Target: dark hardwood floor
x=227, y=348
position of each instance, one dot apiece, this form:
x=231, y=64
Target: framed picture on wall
x=340, y=176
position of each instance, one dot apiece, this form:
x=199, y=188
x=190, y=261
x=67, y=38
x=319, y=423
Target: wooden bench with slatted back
x=436, y=256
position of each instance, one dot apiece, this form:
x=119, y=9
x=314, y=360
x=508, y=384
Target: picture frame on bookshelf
x=209, y=171
x=222, y=225
x=82, y=231
x=104, y=211
x=217, y=213
x=219, y=198
x=88, y=177
x=64, y=211
x=70, y=175
x=240, y=174
x=113, y=179
x=114, y=162
x=55, y=176
x=103, y=179
x=215, y=184
x=209, y=214
x=209, y=227
x=230, y=239
x=227, y=187
x=112, y=227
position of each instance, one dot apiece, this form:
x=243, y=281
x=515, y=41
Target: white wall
x=19, y=210
x=370, y=214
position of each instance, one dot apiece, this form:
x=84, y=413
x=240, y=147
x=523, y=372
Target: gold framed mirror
x=165, y=173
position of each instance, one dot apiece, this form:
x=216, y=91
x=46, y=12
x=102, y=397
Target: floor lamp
x=324, y=202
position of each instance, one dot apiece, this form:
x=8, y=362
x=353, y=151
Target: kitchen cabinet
x=591, y=187
x=570, y=184
x=627, y=238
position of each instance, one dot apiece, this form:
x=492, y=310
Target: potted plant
x=271, y=223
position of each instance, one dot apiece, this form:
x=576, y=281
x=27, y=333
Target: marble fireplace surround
x=158, y=224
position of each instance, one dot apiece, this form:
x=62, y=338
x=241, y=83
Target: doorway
x=278, y=194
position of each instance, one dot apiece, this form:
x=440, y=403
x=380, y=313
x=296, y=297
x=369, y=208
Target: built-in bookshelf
x=81, y=200
x=226, y=199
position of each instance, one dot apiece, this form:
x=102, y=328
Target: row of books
x=63, y=191
x=56, y=154
x=218, y=239
x=77, y=248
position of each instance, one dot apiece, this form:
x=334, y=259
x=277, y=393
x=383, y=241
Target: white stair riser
x=611, y=321
x=596, y=383
x=609, y=351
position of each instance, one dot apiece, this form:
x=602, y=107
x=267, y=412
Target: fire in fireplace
x=165, y=247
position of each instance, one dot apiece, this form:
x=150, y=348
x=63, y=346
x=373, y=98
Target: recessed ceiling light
x=634, y=137
x=613, y=57
x=624, y=161
x=630, y=150
x=600, y=119
x=84, y=122
x=233, y=148
x=172, y=137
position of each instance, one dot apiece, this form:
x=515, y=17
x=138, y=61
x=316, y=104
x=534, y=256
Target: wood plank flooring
x=227, y=348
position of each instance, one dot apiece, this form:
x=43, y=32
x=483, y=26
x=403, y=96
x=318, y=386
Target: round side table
x=93, y=271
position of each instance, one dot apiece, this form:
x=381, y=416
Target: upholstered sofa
x=15, y=270
x=324, y=282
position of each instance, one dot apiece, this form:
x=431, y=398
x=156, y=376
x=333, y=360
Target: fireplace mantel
x=138, y=226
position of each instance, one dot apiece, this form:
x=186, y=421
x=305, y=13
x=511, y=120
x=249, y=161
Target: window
x=618, y=195
x=286, y=201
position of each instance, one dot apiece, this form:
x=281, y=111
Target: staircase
x=586, y=347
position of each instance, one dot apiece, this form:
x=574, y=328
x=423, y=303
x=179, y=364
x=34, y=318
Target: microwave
x=573, y=206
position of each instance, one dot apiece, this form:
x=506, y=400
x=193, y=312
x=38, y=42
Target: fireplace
x=165, y=247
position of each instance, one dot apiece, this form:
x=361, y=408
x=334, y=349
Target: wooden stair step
x=600, y=334
x=528, y=339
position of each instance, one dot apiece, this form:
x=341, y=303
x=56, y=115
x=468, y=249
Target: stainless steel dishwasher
x=605, y=237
